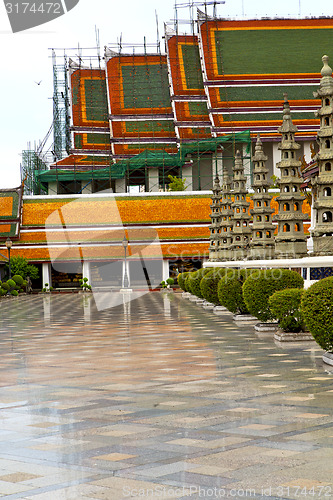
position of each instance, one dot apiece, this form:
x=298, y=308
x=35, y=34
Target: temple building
x=322, y=184
x=262, y=242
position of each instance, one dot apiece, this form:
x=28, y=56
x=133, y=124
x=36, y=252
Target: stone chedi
x=226, y=218
x=290, y=241
x=214, y=227
x=322, y=233
x=262, y=243
x=241, y=231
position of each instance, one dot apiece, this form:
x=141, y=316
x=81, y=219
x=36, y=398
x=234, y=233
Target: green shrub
x=285, y=306
x=5, y=287
x=209, y=283
x=230, y=292
x=14, y=293
x=260, y=285
x=193, y=281
x=18, y=279
x=181, y=280
x=11, y=283
x=170, y=281
x=317, y=310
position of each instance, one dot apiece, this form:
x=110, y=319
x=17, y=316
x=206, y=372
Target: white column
x=52, y=188
x=307, y=151
x=187, y=174
x=165, y=270
x=46, y=273
x=128, y=274
x=153, y=180
x=86, y=271
x=276, y=159
x=121, y=185
x=86, y=187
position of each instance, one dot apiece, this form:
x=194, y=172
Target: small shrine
x=262, y=244
x=290, y=241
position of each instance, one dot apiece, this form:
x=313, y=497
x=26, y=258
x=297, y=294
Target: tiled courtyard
x=157, y=398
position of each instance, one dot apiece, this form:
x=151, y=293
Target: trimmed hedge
x=230, y=292
x=285, y=306
x=193, y=281
x=260, y=285
x=317, y=309
x=209, y=283
x=181, y=280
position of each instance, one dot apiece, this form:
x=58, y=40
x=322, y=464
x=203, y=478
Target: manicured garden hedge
x=229, y=290
x=260, y=285
x=285, y=306
x=193, y=281
x=181, y=280
x=317, y=309
x=209, y=283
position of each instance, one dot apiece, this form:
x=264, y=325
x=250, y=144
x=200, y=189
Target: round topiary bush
x=14, y=293
x=317, y=310
x=193, y=281
x=181, y=280
x=285, y=306
x=18, y=279
x=229, y=290
x=260, y=285
x=209, y=283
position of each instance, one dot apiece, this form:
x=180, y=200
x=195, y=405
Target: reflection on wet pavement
x=157, y=398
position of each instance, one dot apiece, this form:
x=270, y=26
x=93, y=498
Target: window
x=297, y=227
x=327, y=120
x=327, y=217
x=293, y=172
x=327, y=167
x=286, y=172
x=286, y=154
x=258, y=218
x=286, y=207
x=327, y=191
x=259, y=234
x=286, y=189
x=327, y=101
x=258, y=203
x=296, y=206
x=327, y=144
x=244, y=224
x=295, y=189
x=268, y=234
x=286, y=228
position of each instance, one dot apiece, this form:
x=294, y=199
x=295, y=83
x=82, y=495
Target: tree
x=20, y=265
x=176, y=184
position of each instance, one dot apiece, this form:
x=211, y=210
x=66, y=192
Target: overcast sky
x=26, y=107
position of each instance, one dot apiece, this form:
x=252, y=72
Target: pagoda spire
x=262, y=244
x=290, y=241
x=215, y=216
x=226, y=223
x=322, y=233
x=241, y=231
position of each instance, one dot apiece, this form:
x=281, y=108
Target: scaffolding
x=61, y=120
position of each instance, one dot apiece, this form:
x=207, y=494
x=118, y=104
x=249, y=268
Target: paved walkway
x=157, y=398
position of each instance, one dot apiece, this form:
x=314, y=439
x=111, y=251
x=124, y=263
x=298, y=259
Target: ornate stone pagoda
x=226, y=218
x=241, y=230
x=262, y=244
x=290, y=241
x=214, y=227
x=322, y=233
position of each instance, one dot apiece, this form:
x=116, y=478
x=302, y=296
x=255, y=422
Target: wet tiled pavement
x=157, y=398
